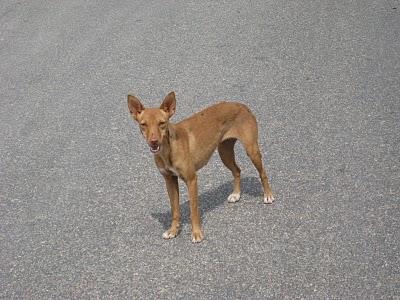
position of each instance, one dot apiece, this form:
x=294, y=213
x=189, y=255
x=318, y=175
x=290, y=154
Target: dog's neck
x=166, y=143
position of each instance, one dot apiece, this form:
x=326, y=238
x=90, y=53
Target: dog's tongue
x=154, y=148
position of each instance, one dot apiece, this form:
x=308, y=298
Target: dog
x=183, y=148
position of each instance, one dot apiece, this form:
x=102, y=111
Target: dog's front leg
x=191, y=182
x=173, y=193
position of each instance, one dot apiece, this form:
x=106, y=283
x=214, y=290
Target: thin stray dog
x=183, y=148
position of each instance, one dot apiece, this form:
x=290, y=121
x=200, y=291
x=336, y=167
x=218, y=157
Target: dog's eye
x=143, y=124
x=162, y=124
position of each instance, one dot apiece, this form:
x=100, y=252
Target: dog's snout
x=153, y=140
x=154, y=144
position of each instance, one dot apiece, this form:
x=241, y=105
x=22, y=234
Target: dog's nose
x=153, y=141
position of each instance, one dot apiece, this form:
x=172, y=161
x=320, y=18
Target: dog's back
x=220, y=113
x=222, y=121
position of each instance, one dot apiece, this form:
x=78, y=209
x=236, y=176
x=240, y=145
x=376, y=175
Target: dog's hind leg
x=227, y=154
x=249, y=139
x=253, y=151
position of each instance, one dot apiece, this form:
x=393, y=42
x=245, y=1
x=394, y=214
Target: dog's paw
x=234, y=197
x=197, y=236
x=269, y=199
x=170, y=234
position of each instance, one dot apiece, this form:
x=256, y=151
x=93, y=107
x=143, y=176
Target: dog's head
x=153, y=122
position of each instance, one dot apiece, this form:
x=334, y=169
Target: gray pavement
x=82, y=207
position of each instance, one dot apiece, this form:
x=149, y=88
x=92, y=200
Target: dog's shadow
x=211, y=199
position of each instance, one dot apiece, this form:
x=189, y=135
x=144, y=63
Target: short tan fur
x=181, y=149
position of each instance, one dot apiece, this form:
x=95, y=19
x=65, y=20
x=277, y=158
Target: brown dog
x=183, y=148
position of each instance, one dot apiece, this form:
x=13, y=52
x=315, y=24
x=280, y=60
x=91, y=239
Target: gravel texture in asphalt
x=83, y=208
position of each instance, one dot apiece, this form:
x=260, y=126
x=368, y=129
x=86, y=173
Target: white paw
x=234, y=197
x=197, y=236
x=169, y=235
x=269, y=199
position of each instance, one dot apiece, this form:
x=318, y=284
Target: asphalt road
x=82, y=207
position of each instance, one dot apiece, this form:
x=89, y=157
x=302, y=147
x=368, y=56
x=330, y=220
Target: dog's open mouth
x=154, y=148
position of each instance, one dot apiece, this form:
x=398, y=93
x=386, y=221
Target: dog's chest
x=168, y=171
x=165, y=167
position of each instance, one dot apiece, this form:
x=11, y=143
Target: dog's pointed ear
x=135, y=106
x=169, y=104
